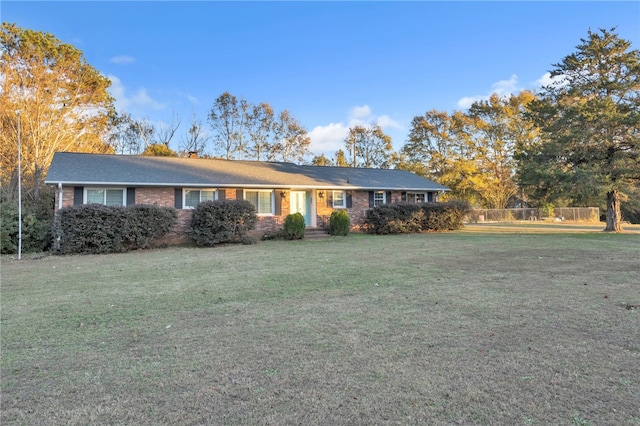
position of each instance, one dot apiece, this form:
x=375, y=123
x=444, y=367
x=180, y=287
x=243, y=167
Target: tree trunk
x=614, y=217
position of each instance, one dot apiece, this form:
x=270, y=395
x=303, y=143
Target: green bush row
x=405, y=218
x=222, y=221
x=94, y=228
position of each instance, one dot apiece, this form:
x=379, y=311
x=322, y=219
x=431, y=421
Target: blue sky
x=331, y=64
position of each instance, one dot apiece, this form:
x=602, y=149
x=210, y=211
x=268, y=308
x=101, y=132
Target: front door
x=300, y=204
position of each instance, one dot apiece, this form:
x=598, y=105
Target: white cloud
x=139, y=101
x=502, y=88
x=506, y=87
x=384, y=121
x=122, y=59
x=361, y=112
x=328, y=139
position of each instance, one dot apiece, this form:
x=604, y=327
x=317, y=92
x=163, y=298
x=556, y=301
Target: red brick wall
x=162, y=197
x=165, y=197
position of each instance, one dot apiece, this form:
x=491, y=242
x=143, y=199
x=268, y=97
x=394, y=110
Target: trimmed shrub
x=36, y=228
x=339, y=223
x=294, y=226
x=222, y=221
x=94, y=228
x=410, y=218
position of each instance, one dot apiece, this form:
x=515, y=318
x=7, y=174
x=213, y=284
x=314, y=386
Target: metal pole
x=19, y=191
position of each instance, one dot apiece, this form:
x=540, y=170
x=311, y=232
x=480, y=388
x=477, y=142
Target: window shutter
x=78, y=195
x=403, y=196
x=387, y=198
x=349, y=200
x=239, y=194
x=370, y=199
x=430, y=197
x=131, y=196
x=178, y=198
x=329, y=199
x=278, y=203
x=222, y=194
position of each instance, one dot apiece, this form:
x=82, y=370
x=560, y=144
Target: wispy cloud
x=122, y=59
x=133, y=104
x=502, y=88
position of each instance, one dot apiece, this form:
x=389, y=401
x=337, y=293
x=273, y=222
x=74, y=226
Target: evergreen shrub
x=95, y=228
x=405, y=218
x=222, y=221
x=339, y=223
x=294, y=226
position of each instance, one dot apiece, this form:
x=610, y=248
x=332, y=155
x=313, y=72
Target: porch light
x=321, y=194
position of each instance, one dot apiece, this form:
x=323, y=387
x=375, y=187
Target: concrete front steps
x=312, y=233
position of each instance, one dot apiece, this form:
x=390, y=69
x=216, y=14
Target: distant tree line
x=574, y=142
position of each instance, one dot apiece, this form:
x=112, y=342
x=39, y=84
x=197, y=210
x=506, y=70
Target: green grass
x=473, y=327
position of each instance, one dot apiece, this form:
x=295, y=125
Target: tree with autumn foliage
x=590, y=121
x=472, y=152
x=369, y=146
x=63, y=102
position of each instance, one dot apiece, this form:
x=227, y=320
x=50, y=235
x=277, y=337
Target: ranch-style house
x=275, y=189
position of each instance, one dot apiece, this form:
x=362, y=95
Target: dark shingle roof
x=126, y=170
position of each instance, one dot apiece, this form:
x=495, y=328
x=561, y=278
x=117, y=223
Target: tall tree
x=369, y=146
x=226, y=120
x=499, y=127
x=292, y=140
x=196, y=138
x=164, y=135
x=261, y=126
x=63, y=102
x=590, y=119
x=128, y=135
x=441, y=147
x=340, y=159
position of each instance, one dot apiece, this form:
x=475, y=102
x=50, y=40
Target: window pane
x=95, y=196
x=207, y=195
x=419, y=198
x=252, y=197
x=378, y=199
x=114, y=197
x=265, y=202
x=191, y=198
x=338, y=199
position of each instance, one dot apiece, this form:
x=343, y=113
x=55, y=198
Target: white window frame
x=184, y=195
x=344, y=200
x=272, y=202
x=414, y=197
x=104, y=197
x=377, y=201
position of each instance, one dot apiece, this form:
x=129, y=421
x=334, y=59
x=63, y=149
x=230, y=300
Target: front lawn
x=472, y=327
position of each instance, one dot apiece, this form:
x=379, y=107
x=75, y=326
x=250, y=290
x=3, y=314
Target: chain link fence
x=573, y=214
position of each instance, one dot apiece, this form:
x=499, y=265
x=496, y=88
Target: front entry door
x=300, y=205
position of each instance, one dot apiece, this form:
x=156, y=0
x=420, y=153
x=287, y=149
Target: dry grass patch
x=455, y=328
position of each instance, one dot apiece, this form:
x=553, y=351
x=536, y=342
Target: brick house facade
x=276, y=189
